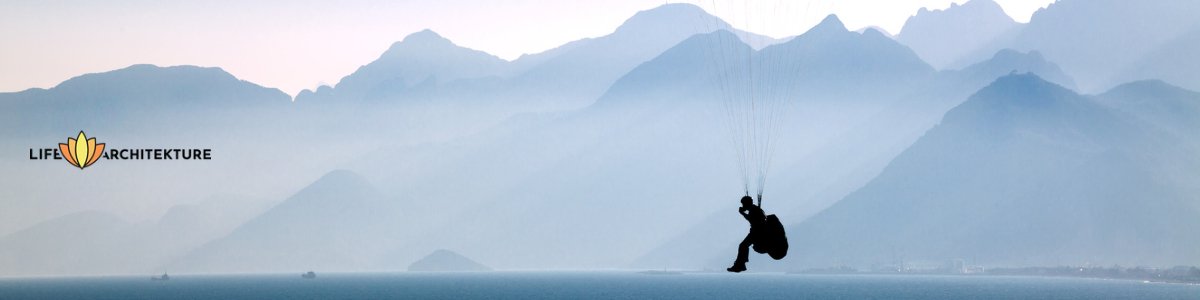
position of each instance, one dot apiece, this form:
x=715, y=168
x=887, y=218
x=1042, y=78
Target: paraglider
x=755, y=92
x=766, y=235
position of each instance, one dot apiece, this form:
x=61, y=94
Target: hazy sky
x=293, y=45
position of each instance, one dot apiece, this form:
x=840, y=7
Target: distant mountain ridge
x=1069, y=33
x=137, y=94
x=942, y=37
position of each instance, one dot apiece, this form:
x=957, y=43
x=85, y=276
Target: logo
x=81, y=151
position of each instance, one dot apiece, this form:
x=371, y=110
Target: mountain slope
x=339, y=222
x=93, y=242
x=54, y=247
x=1023, y=173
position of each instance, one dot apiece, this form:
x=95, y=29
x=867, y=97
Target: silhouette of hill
x=446, y=261
x=942, y=37
x=1023, y=173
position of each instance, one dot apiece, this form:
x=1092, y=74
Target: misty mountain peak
x=1146, y=86
x=1012, y=61
x=831, y=23
x=971, y=7
x=145, y=86
x=982, y=4
x=1009, y=53
x=1145, y=92
x=422, y=40
x=875, y=33
x=425, y=36
x=423, y=56
x=333, y=189
x=831, y=41
x=1019, y=96
x=942, y=37
x=670, y=15
x=1021, y=88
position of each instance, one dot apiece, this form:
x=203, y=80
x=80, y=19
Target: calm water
x=585, y=285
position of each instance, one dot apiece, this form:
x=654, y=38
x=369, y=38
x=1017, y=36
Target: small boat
x=309, y=275
x=163, y=277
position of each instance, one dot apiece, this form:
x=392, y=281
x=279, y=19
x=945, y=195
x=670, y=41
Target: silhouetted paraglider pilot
x=766, y=235
x=756, y=217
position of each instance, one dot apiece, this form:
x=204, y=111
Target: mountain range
x=424, y=78
x=613, y=152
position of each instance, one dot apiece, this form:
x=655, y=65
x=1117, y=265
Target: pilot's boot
x=737, y=267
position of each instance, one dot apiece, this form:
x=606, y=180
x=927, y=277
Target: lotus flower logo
x=81, y=151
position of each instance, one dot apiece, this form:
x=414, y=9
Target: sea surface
x=587, y=285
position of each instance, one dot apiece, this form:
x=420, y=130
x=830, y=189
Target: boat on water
x=309, y=275
x=164, y=276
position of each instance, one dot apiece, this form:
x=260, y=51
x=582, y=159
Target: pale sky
x=294, y=45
